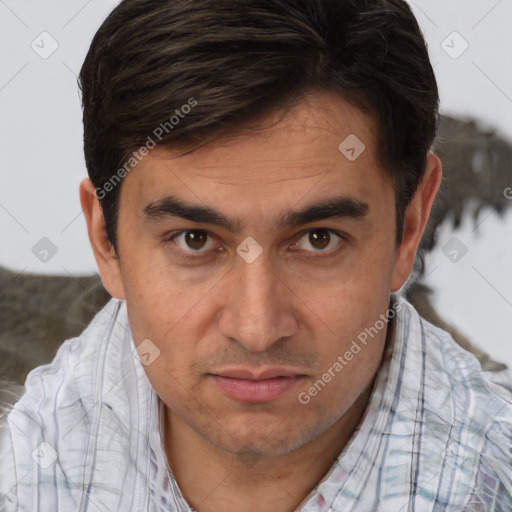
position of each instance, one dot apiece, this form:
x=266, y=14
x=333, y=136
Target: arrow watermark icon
x=147, y=352
x=45, y=45
x=44, y=250
x=352, y=147
x=249, y=249
x=455, y=249
x=454, y=45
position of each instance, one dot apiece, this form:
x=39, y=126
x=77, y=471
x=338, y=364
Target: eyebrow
x=340, y=207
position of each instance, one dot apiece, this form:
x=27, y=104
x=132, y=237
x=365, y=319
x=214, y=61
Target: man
x=260, y=177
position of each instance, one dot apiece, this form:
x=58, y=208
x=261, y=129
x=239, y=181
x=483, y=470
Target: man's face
x=243, y=335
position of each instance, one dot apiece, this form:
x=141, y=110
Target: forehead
x=320, y=143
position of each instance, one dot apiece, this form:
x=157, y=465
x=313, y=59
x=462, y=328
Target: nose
x=258, y=307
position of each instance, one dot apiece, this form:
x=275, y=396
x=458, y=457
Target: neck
x=211, y=479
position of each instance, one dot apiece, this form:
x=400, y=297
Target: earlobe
x=415, y=221
x=104, y=253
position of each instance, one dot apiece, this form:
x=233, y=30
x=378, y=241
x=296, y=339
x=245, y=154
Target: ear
x=104, y=253
x=415, y=221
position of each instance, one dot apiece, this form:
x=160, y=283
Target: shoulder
x=46, y=420
x=453, y=370
x=449, y=363
x=467, y=412
x=70, y=376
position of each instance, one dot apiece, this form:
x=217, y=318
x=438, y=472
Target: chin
x=262, y=438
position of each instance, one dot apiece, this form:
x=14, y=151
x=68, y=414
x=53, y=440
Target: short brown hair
x=243, y=58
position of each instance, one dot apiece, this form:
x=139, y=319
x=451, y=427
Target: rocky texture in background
x=477, y=168
x=39, y=312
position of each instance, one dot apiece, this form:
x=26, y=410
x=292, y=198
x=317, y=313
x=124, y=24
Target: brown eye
x=195, y=239
x=319, y=240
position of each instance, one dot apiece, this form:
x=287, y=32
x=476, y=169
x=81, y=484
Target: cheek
x=155, y=293
x=171, y=345
x=350, y=321
x=355, y=296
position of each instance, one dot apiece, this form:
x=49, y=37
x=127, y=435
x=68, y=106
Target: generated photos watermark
x=304, y=397
x=143, y=151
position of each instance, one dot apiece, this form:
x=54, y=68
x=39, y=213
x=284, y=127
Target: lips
x=244, y=385
x=269, y=373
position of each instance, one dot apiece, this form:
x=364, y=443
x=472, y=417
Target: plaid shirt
x=85, y=436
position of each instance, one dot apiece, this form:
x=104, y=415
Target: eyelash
x=191, y=255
